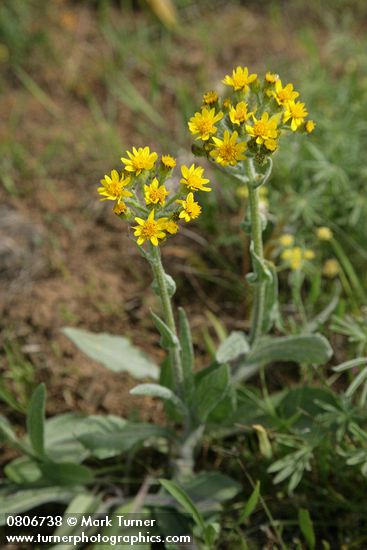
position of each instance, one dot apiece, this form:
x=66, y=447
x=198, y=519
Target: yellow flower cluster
x=324, y=233
x=250, y=120
x=140, y=194
x=294, y=256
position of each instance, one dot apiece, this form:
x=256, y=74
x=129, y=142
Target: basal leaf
x=306, y=526
x=211, y=389
x=114, y=352
x=232, y=347
x=36, y=420
x=310, y=349
x=21, y=501
x=66, y=473
x=129, y=437
x=251, y=503
x=156, y=390
x=183, y=498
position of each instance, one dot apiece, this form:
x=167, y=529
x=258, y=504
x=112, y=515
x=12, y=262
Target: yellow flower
x=190, y=208
x=284, y=95
x=294, y=256
x=210, y=97
x=227, y=150
x=286, y=240
x=120, y=208
x=242, y=192
x=139, y=160
x=287, y=254
x=227, y=104
x=240, y=79
x=309, y=254
x=168, y=161
x=150, y=229
x=171, y=226
x=310, y=126
x=113, y=188
x=295, y=111
x=203, y=123
x=155, y=193
x=193, y=178
x=264, y=130
x=331, y=268
x=324, y=233
x=239, y=113
x=271, y=77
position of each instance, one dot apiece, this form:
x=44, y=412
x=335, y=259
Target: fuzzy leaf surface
x=116, y=353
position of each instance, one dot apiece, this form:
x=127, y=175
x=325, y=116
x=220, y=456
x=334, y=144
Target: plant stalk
x=259, y=287
x=174, y=351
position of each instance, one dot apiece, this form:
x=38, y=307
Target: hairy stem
x=259, y=287
x=174, y=352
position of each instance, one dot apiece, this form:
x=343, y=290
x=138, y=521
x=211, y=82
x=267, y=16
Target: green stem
x=259, y=287
x=297, y=281
x=349, y=271
x=174, y=352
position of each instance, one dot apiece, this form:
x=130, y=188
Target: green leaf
x=212, y=532
x=62, y=434
x=9, y=398
x=168, y=338
x=306, y=526
x=351, y=364
x=125, y=439
x=36, y=420
x=185, y=501
x=213, y=386
x=7, y=433
x=66, y=473
x=303, y=405
x=21, y=501
x=211, y=488
x=358, y=380
x=83, y=504
x=155, y=390
x=271, y=307
x=113, y=352
x=166, y=379
x=187, y=353
x=23, y=470
x=292, y=466
x=251, y=503
x=224, y=410
x=261, y=272
x=324, y=315
x=171, y=286
x=233, y=347
x=308, y=349
x=115, y=530
x=62, y=443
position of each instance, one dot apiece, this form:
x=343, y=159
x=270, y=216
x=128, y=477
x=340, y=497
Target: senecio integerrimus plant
x=143, y=199
x=239, y=134
x=147, y=198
